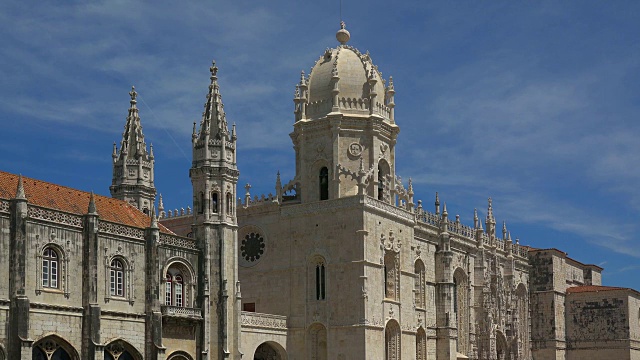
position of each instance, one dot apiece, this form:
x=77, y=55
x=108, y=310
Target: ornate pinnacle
x=114, y=155
x=133, y=95
x=214, y=70
x=410, y=187
x=475, y=218
x=490, y=212
x=154, y=219
x=92, y=205
x=390, y=88
x=437, y=204
x=504, y=230
x=20, y=195
x=151, y=151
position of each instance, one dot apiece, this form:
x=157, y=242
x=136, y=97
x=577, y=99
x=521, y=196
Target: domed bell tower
x=214, y=176
x=344, y=133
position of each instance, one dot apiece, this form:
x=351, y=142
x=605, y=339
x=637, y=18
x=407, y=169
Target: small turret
x=437, y=204
x=20, y=195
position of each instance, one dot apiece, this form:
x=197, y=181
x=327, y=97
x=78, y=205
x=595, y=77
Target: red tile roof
x=593, y=288
x=62, y=198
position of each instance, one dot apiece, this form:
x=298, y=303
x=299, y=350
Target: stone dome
x=346, y=72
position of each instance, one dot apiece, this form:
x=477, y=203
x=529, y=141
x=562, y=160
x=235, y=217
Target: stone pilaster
x=19, y=344
x=154, y=350
x=91, y=309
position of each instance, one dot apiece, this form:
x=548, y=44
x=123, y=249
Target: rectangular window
x=119, y=283
x=167, y=294
x=113, y=282
x=251, y=307
x=178, y=294
x=54, y=274
x=45, y=273
x=322, y=285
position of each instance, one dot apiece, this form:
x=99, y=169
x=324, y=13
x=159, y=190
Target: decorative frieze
x=121, y=230
x=181, y=312
x=177, y=241
x=267, y=321
x=54, y=216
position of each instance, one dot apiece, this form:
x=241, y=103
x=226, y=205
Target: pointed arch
x=461, y=308
x=392, y=340
x=317, y=342
x=54, y=347
x=119, y=349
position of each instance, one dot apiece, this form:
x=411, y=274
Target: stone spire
x=133, y=174
x=491, y=221
x=20, y=195
x=214, y=120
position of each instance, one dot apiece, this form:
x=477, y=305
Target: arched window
x=53, y=348
x=121, y=350
x=420, y=284
x=392, y=340
x=50, y=262
x=214, y=202
x=380, y=184
x=177, y=281
x=320, y=281
x=117, y=277
x=324, y=183
x=421, y=344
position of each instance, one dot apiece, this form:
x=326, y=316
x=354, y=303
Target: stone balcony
x=181, y=312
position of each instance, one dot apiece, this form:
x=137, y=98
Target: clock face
x=252, y=247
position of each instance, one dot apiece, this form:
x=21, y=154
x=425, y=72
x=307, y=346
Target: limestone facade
x=340, y=262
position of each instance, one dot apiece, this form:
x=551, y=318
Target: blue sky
x=535, y=104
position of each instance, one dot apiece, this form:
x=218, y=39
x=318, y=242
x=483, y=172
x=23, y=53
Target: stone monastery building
x=341, y=263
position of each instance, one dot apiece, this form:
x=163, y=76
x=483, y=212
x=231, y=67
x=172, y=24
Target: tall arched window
x=214, y=202
x=380, y=184
x=317, y=342
x=117, y=277
x=50, y=263
x=177, y=286
x=324, y=183
x=420, y=284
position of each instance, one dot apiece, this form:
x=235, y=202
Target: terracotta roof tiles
x=62, y=198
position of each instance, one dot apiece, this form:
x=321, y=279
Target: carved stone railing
x=265, y=321
x=4, y=206
x=185, y=312
x=178, y=241
x=121, y=230
x=55, y=216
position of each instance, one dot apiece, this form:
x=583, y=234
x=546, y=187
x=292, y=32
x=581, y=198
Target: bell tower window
x=324, y=183
x=214, y=202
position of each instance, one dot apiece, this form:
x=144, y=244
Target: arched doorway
x=53, y=348
x=121, y=350
x=270, y=351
